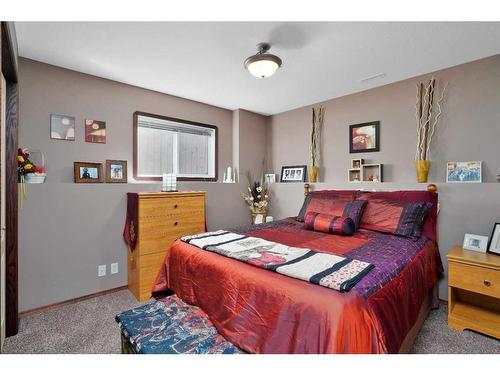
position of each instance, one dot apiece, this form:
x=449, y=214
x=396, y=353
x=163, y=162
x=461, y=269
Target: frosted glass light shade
x=263, y=65
x=263, y=68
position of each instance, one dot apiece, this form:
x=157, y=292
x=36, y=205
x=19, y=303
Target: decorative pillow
x=400, y=218
x=408, y=196
x=340, y=225
x=343, y=195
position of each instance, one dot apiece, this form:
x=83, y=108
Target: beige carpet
x=89, y=327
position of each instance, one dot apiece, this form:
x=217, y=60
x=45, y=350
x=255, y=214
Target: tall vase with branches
x=318, y=115
x=428, y=111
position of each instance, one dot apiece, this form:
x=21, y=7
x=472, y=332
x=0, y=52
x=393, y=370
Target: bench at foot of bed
x=170, y=326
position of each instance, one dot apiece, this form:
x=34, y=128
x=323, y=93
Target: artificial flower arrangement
x=257, y=197
x=24, y=165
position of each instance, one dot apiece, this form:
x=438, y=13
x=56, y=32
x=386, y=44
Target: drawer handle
x=178, y=223
x=487, y=283
x=175, y=206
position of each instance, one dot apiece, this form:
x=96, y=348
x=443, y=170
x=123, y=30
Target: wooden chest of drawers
x=474, y=291
x=162, y=218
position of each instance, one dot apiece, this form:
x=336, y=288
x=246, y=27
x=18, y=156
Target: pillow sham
x=340, y=225
x=399, y=218
x=344, y=195
x=337, y=207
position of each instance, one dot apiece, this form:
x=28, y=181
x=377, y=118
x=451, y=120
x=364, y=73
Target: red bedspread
x=265, y=312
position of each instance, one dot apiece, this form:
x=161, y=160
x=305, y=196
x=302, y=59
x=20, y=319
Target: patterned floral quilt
x=171, y=326
x=328, y=270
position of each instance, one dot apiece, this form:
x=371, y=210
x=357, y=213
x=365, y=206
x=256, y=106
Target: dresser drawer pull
x=178, y=223
x=175, y=206
x=487, y=283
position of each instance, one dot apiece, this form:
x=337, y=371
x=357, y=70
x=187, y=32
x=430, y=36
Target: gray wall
x=67, y=229
x=469, y=130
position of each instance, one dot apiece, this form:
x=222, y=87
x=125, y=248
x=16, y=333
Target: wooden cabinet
x=474, y=291
x=161, y=218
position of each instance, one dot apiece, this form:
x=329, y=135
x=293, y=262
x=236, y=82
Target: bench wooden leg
x=126, y=347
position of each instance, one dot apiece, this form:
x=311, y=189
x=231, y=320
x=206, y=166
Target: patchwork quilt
x=328, y=270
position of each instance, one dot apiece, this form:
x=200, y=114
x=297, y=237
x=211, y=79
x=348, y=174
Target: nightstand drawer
x=475, y=279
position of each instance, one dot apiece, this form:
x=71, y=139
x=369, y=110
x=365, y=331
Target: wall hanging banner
x=130, y=231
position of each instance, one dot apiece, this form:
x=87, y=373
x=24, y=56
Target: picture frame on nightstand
x=475, y=243
x=494, y=245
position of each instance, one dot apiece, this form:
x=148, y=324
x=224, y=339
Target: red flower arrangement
x=24, y=165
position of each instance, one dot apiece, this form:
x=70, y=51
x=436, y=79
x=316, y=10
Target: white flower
x=266, y=196
x=259, y=188
x=258, y=196
x=251, y=198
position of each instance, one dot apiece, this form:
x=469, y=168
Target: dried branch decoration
x=426, y=119
x=318, y=115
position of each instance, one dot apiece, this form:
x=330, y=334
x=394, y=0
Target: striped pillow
x=400, y=218
x=340, y=225
x=337, y=207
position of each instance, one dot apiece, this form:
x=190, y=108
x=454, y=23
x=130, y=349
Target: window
x=167, y=145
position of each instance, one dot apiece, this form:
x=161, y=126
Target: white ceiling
x=203, y=61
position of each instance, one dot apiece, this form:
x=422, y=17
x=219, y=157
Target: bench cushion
x=171, y=326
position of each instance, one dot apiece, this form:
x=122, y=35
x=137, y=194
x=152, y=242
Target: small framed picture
x=494, y=245
x=95, y=131
x=62, y=127
x=270, y=178
x=364, y=137
x=295, y=173
x=464, y=172
x=475, y=242
x=87, y=172
x=116, y=171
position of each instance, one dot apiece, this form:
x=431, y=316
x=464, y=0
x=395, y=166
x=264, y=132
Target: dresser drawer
x=157, y=235
x=171, y=206
x=475, y=279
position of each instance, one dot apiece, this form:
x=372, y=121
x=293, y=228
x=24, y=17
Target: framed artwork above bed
x=364, y=137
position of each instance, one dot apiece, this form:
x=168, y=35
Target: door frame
x=9, y=70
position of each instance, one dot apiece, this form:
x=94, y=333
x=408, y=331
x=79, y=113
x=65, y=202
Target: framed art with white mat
x=475, y=243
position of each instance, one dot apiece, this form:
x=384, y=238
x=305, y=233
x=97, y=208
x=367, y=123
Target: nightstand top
x=458, y=254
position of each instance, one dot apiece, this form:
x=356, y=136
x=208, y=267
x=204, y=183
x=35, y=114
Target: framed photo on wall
x=85, y=173
x=297, y=173
x=494, y=245
x=464, y=172
x=116, y=171
x=364, y=137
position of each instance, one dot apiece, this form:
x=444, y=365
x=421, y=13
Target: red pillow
x=342, y=195
x=337, y=207
x=340, y=225
x=429, y=226
x=395, y=217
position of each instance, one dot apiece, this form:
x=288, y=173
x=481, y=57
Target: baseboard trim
x=70, y=301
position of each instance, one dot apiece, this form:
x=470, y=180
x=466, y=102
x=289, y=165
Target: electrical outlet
x=114, y=268
x=101, y=270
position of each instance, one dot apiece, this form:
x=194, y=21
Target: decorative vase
x=255, y=213
x=422, y=170
x=313, y=173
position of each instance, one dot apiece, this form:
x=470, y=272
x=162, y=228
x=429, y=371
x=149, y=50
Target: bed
x=265, y=312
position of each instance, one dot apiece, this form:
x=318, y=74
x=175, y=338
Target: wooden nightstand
x=474, y=291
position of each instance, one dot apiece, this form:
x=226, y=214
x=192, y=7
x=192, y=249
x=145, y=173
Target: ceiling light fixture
x=262, y=64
